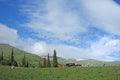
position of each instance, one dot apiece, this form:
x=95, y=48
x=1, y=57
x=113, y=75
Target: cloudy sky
x=79, y=29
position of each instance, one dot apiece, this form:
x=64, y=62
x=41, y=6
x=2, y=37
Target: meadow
x=72, y=73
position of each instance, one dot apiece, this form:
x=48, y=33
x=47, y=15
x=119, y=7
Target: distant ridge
x=90, y=62
x=4, y=44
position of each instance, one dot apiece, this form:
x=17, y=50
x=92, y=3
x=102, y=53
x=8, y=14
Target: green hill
x=19, y=54
x=34, y=59
x=89, y=62
x=93, y=62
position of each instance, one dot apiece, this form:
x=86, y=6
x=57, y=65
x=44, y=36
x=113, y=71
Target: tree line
x=47, y=62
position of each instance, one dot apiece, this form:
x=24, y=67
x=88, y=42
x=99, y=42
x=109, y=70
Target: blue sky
x=79, y=29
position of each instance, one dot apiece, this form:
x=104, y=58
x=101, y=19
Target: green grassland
x=73, y=73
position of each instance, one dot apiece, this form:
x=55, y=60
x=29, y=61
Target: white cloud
x=40, y=48
x=10, y=36
x=103, y=14
x=65, y=51
x=105, y=48
x=58, y=20
x=54, y=20
x=7, y=35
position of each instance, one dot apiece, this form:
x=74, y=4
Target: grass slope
x=92, y=62
x=81, y=73
x=19, y=54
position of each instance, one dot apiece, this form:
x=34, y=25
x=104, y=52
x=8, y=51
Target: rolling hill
x=89, y=62
x=34, y=59
x=19, y=54
x=93, y=62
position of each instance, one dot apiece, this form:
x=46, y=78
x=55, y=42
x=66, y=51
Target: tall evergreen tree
x=40, y=65
x=44, y=64
x=1, y=56
x=27, y=64
x=12, y=60
x=12, y=57
x=55, y=63
x=48, y=61
x=24, y=61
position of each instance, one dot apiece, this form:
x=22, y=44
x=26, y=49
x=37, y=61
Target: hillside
x=89, y=62
x=34, y=59
x=19, y=54
x=93, y=62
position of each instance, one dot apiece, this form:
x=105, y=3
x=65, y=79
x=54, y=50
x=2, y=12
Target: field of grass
x=81, y=73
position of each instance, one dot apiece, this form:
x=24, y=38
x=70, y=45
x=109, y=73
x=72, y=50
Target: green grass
x=81, y=73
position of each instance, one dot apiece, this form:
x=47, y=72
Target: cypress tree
x=55, y=63
x=44, y=64
x=24, y=61
x=48, y=61
x=27, y=64
x=1, y=57
x=12, y=60
x=40, y=65
x=12, y=57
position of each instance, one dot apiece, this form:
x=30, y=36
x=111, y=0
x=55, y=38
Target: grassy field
x=81, y=73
